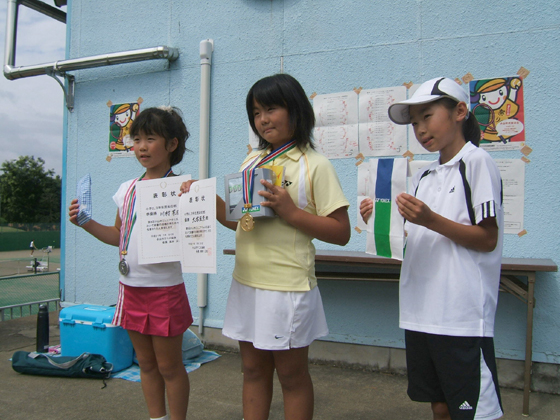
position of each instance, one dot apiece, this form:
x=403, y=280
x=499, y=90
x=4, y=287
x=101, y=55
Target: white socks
x=161, y=418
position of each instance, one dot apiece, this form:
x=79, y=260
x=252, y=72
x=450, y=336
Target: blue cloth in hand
x=84, y=199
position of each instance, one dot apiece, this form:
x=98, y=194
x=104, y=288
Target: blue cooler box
x=88, y=328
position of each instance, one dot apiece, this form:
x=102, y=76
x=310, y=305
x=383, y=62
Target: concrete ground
x=340, y=393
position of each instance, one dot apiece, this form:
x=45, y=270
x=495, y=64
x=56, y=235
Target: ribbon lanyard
x=129, y=216
x=249, y=171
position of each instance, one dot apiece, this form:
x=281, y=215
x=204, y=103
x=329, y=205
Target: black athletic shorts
x=460, y=371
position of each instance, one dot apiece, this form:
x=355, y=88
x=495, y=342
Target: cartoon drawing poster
x=121, y=117
x=499, y=108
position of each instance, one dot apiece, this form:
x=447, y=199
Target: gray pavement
x=340, y=393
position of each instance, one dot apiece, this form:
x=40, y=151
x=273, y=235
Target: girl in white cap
x=451, y=269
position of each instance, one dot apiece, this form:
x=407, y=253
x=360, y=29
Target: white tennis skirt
x=274, y=320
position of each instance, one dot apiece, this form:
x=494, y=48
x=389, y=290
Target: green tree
x=28, y=192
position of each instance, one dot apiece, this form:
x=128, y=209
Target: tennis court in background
x=19, y=284
x=16, y=262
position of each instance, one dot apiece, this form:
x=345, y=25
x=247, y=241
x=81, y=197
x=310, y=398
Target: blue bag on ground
x=86, y=365
x=192, y=346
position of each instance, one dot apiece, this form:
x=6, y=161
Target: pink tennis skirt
x=162, y=311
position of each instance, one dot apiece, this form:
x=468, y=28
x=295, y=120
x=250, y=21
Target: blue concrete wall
x=329, y=46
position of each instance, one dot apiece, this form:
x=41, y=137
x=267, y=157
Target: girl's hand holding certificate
x=186, y=186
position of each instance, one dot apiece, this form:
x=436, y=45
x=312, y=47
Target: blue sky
x=31, y=109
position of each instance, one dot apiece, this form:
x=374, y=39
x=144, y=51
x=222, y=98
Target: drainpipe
x=206, y=49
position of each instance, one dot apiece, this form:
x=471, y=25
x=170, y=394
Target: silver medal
x=124, y=267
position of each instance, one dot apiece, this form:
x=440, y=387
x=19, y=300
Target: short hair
x=471, y=129
x=166, y=122
x=285, y=91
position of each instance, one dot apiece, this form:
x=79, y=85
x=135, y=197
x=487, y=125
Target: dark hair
x=166, y=123
x=285, y=91
x=471, y=129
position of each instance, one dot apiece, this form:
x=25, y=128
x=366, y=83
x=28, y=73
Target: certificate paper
x=174, y=228
x=336, y=128
x=513, y=182
x=197, y=211
x=157, y=212
x=379, y=136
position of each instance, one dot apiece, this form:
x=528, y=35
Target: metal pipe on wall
x=12, y=72
x=11, y=31
x=60, y=67
x=45, y=9
x=206, y=49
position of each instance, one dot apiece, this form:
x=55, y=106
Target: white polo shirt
x=445, y=288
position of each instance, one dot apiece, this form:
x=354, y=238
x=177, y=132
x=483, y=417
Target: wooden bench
x=359, y=266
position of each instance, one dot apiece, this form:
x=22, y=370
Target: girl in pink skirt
x=152, y=305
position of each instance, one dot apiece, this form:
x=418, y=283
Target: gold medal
x=247, y=222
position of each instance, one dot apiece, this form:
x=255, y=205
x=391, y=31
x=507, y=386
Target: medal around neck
x=235, y=206
x=124, y=268
x=242, y=190
x=247, y=222
x=128, y=218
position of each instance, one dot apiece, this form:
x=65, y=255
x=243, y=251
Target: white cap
x=432, y=90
